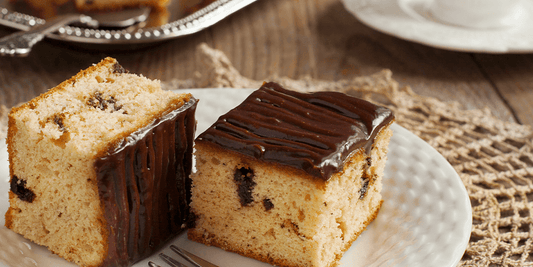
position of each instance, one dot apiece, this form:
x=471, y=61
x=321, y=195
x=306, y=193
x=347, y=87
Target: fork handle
x=20, y=43
x=17, y=20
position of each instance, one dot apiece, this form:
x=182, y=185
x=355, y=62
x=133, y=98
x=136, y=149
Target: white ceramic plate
x=411, y=20
x=425, y=219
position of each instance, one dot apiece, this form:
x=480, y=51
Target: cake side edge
x=159, y=222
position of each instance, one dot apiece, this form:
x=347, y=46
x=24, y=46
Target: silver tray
x=17, y=15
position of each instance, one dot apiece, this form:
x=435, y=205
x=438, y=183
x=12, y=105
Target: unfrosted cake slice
x=290, y=179
x=100, y=166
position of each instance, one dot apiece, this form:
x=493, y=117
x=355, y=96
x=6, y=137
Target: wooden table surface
x=295, y=38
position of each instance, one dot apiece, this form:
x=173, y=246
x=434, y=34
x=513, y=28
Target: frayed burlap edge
x=493, y=158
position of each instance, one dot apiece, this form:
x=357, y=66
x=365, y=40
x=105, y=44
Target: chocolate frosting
x=313, y=132
x=145, y=187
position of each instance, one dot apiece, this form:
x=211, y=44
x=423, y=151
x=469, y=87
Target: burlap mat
x=493, y=158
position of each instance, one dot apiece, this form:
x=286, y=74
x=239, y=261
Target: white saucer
x=412, y=21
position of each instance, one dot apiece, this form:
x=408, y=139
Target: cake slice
x=100, y=166
x=288, y=178
x=104, y=5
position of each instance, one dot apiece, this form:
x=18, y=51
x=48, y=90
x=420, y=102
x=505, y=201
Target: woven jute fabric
x=493, y=158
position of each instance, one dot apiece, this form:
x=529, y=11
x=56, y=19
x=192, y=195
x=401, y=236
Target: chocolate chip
x=244, y=178
x=117, y=68
x=292, y=228
x=58, y=119
x=18, y=187
x=98, y=101
x=268, y=204
x=364, y=188
x=113, y=101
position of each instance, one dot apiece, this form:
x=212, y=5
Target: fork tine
x=187, y=257
x=172, y=262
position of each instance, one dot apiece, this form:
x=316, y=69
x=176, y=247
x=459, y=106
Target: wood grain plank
x=255, y=44
x=259, y=41
x=306, y=43
x=347, y=48
x=295, y=38
x=273, y=41
x=229, y=36
x=289, y=38
x=512, y=76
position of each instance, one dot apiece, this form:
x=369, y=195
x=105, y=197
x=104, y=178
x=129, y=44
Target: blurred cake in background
x=84, y=5
x=162, y=11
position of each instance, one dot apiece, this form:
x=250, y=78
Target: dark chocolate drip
x=314, y=132
x=143, y=185
x=144, y=181
x=133, y=196
x=364, y=187
x=112, y=188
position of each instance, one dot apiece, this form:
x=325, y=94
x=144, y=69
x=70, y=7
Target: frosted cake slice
x=100, y=166
x=288, y=178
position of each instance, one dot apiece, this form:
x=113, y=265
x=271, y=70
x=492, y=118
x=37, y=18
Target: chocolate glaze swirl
x=313, y=132
x=145, y=187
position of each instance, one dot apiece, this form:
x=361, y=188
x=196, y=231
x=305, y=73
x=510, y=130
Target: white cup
x=480, y=14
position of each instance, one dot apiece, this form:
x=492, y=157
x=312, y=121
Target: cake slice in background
x=99, y=166
x=288, y=178
x=106, y=5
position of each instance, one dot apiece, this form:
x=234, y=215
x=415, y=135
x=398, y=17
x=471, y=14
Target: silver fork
x=191, y=258
x=172, y=262
x=20, y=43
